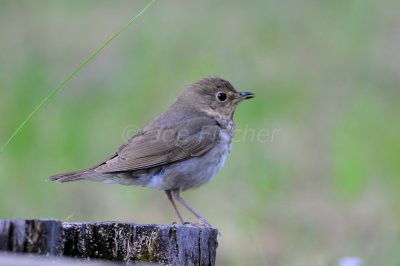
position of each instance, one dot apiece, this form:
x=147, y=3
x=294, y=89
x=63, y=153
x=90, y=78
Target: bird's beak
x=246, y=95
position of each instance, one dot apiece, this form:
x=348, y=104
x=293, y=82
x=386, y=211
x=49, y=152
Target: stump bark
x=120, y=242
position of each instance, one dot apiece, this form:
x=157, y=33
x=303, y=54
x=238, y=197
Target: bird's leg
x=202, y=220
x=171, y=199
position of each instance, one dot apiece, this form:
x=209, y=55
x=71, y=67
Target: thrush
x=181, y=149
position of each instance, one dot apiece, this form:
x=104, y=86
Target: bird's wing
x=155, y=147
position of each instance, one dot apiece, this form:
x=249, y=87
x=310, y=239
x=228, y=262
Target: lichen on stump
x=122, y=242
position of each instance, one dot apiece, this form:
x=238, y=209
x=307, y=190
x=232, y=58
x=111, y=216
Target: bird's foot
x=203, y=222
x=181, y=223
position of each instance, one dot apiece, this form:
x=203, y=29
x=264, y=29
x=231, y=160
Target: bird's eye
x=221, y=96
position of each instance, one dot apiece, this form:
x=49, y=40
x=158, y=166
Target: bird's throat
x=225, y=121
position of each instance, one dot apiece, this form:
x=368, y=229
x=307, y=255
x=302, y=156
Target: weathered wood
x=22, y=259
x=44, y=237
x=120, y=242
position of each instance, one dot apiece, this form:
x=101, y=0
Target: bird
x=183, y=148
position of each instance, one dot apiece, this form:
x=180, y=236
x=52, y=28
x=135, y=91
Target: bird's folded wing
x=162, y=146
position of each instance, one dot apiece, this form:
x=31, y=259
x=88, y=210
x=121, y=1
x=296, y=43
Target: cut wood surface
x=112, y=241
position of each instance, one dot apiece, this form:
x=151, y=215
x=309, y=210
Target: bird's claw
x=203, y=222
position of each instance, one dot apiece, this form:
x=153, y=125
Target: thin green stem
x=76, y=70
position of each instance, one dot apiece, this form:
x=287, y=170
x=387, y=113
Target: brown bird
x=182, y=148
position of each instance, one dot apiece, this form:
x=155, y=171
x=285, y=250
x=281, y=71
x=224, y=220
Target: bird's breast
x=208, y=165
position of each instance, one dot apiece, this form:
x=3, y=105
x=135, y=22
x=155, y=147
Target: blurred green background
x=323, y=185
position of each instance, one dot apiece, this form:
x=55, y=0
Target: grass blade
x=76, y=70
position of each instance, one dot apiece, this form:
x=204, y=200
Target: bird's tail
x=73, y=176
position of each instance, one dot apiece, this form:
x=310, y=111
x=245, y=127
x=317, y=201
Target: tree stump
x=113, y=241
